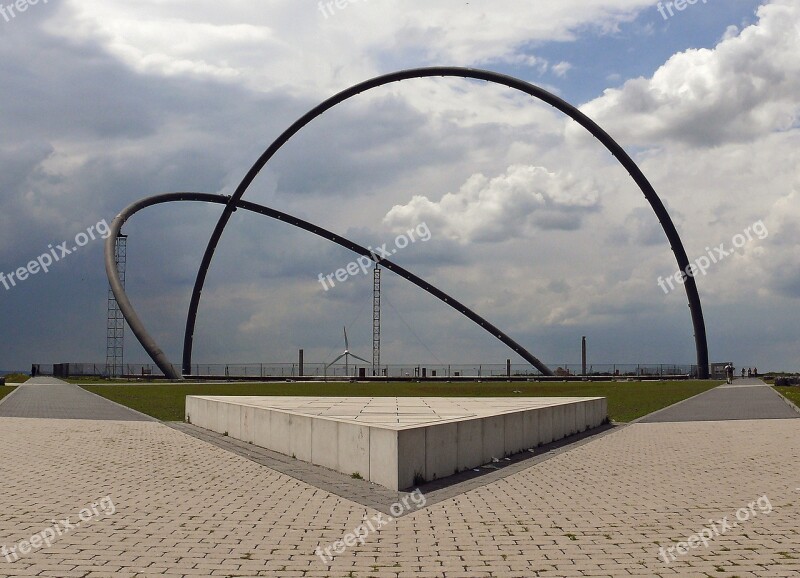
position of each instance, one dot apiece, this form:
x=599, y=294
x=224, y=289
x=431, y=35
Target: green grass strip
x=790, y=393
x=626, y=400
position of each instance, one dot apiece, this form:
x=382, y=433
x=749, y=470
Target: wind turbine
x=346, y=356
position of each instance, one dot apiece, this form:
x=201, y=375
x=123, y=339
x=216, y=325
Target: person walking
x=743, y=373
x=729, y=373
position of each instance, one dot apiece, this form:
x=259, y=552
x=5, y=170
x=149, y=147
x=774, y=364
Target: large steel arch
x=157, y=354
x=701, y=342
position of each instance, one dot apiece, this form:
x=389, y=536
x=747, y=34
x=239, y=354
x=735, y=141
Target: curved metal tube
x=156, y=352
x=150, y=345
x=701, y=341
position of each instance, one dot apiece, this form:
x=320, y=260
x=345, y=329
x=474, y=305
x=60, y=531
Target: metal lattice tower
x=376, y=322
x=115, y=328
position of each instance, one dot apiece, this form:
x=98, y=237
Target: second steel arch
x=155, y=352
x=701, y=342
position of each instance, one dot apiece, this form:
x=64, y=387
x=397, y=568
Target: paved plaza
x=157, y=502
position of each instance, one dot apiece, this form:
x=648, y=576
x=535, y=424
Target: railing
x=419, y=371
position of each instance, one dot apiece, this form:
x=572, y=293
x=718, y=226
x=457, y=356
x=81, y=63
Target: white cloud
x=292, y=44
x=777, y=261
x=561, y=69
x=745, y=87
x=525, y=198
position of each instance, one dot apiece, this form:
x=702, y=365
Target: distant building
x=718, y=370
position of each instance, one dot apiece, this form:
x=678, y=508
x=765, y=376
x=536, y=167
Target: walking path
x=168, y=504
x=50, y=398
x=744, y=399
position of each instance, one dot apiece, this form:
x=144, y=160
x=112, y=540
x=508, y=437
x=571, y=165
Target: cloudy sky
x=532, y=222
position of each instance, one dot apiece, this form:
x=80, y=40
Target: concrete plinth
x=396, y=442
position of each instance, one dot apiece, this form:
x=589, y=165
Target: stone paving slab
x=183, y=507
x=396, y=412
x=46, y=397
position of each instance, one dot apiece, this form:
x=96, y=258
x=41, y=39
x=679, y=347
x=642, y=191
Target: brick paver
x=183, y=507
x=382, y=498
x=187, y=508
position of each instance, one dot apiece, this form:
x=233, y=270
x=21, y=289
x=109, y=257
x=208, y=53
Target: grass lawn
x=4, y=391
x=626, y=400
x=17, y=378
x=790, y=393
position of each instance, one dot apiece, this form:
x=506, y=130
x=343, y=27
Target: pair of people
x=750, y=372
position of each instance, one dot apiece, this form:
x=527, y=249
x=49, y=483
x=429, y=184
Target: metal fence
x=420, y=371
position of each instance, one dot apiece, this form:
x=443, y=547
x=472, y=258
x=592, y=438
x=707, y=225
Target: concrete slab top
x=397, y=413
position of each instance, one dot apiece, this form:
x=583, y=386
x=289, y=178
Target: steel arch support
x=157, y=354
x=701, y=341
